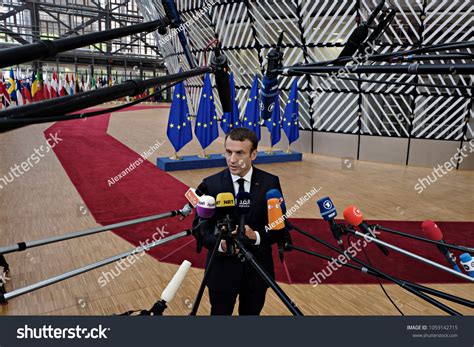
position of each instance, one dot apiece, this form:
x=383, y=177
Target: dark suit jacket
x=228, y=273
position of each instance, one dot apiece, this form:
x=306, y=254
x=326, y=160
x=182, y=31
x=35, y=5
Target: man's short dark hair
x=242, y=134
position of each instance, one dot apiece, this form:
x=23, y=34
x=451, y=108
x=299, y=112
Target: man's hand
x=248, y=232
x=223, y=247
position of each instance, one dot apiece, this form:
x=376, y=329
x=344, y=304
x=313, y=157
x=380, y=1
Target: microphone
x=220, y=65
x=243, y=203
x=359, y=35
x=225, y=204
x=467, y=263
x=269, y=92
x=275, y=193
x=205, y=209
x=168, y=294
x=173, y=17
x=276, y=214
x=192, y=195
x=328, y=212
x=354, y=216
x=433, y=232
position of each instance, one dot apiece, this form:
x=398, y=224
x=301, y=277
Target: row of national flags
x=18, y=91
x=206, y=128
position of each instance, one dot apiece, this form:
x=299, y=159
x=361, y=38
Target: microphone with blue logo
x=467, y=263
x=328, y=212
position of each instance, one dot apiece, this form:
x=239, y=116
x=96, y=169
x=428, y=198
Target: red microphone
x=433, y=232
x=354, y=216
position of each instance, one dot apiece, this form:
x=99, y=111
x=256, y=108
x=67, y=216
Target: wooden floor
x=43, y=203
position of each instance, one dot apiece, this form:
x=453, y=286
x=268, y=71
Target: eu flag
x=251, y=118
x=274, y=124
x=179, y=123
x=290, y=121
x=206, y=128
x=231, y=120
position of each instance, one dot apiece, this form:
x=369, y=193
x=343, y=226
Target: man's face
x=239, y=156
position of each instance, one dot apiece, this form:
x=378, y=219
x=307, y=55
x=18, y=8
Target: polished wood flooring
x=43, y=203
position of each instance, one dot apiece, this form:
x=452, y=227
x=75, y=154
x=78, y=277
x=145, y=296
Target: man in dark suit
x=229, y=276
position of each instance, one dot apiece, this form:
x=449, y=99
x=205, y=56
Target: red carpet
x=91, y=157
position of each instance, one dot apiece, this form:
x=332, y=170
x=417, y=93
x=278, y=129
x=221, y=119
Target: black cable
x=317, y=74
x=452, y=45
x=378, y=279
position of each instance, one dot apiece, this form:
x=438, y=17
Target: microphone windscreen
x=275, y=215
x=276, y=194
x=326, y=208
x=243, y=203
x=206, y=207
x=172, y=287
x=353, y=215
x=354, y=42
x=268, y=96
x=225, y=200
x=467, y=263
x=221, y=73
x=431, y=230
x=192, y=197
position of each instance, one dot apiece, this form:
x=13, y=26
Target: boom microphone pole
x=423, y=239
x=73, y=273
x=68, y=104
x=369, y=238
x=414, y=291
x=21, y=246
x=410, y=69
x=369, y=271
x=48, y=48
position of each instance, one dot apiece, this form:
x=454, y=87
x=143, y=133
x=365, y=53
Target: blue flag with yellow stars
x=231, y=120
x=206, y=128
x=251, y=118
x=274, y=124
x=290, y=121
x=179, y=123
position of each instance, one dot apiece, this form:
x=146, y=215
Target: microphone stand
x=369, y=238
x=414, y=291
x=21, y=246
x=202, y=287
x=367, y=270
x=268, y=279
x=419, y=238
x=48, y=48
x=410, y=69
x=73, y=273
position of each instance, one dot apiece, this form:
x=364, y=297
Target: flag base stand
x=270, y=152
x=176, y=157
x=192, y=162
x=204, y=155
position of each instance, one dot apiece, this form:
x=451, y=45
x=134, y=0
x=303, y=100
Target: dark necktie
x=241, y=182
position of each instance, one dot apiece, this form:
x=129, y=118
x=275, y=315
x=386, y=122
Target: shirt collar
x=247, y=177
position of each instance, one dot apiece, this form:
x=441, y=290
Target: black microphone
x=173, y=17
x=269, y=92
x=220, y=65
x=328, y=212
x=360, y=34
x=243, y=208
